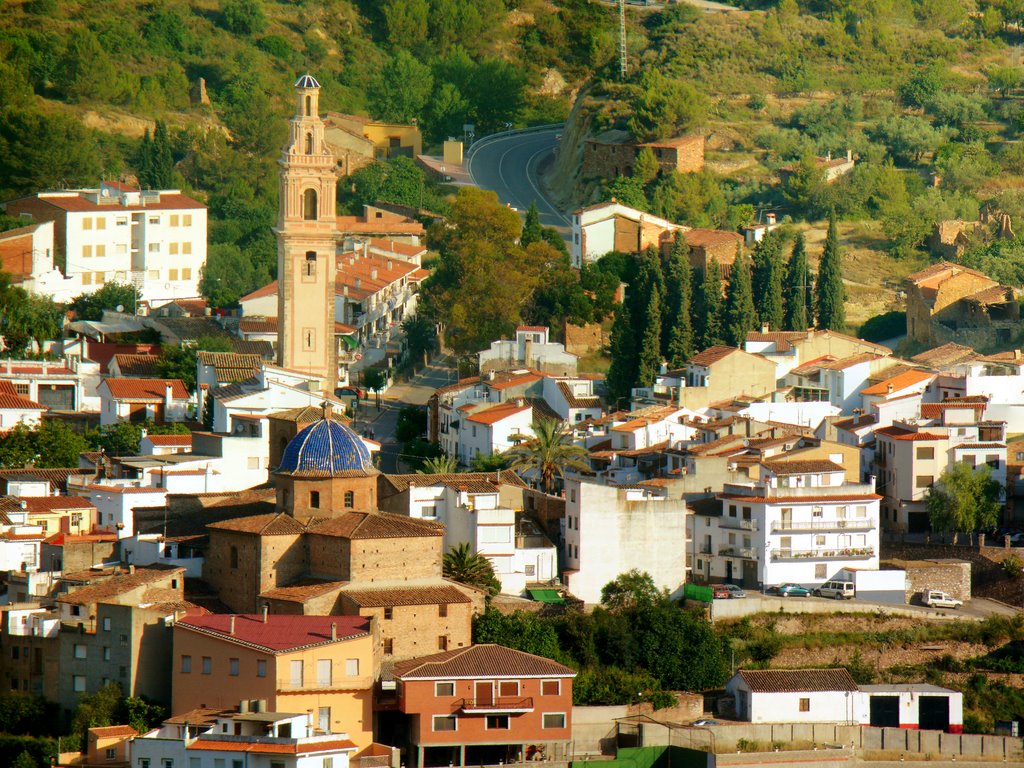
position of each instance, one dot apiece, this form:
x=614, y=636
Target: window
x=154, y=274
x=328, y=762
x=106, y=653
x=309, y=205
x=186, y=273
x=87, y=278
x=101, y=250
x=76, y=610
x=154, y=219
x=508, y=688
x=121, y=249
x=172, y=249
x=172, y=275
x=444, y=689
x=324, y=671
x=86, y=251
x=496, y=723
x=350, y=499
x=314, y=499
x=732, y=510
x=174, y=219
x=309, y=143
x=101, y=223
x=186, y=220
x=324, y=724
x=78, y=683
x=992, y=459
x=233, y=667
x=442, y=642
x=924, y=481
x=207, y=665
x=111, y=753
x=253, y=462
x=553, y=720
x=805, y=705
x=447, y=723
x=87, y=223
x=122, y=671
x=819, y=541
x=123, y=640
x=389, y=646
x=925, y=452
x=122, y=221
x=442, y=610
x=79, y=651
x=389, y=613
x=817, y=511
x=352, y=667
x=168, y=762
x=550, y=687
x=98, y=278
x=261, y=668
x=154, y=247
x=309, y=268
x=186, y=248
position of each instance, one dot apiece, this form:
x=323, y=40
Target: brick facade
x=305, y=498
x=609, y=159
x=240, y=566
x=407, y=631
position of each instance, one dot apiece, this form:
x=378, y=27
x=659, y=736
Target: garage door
x=57, y=397
x=933, y=713
x=885, y=711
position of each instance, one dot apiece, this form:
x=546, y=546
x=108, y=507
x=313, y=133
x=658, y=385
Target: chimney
x=849, y=155
x=328, y=407
x=231, y=631
x=143, y=432
x=168, y=394
x=856, y=415
x=390, y=265
x=765, y=327
x=334, y=631
x=373, y=273
x=131, y=569
x=1016, y=354
x=261, y=705
x=44, y=367
x=888, y=389
x=243, y=707
x=266, y=610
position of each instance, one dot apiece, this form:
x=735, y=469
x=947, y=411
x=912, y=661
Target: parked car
x=734, y=591
x=935, y=598
x=790, y=590
x=704, y=721
x=838, y=590
x=719, y=592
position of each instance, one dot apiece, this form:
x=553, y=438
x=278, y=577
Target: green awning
x=547, y=596
x=352, y=341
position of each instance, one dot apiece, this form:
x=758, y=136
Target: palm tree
x=549, y=453
x=439, y=465
x=460, y=565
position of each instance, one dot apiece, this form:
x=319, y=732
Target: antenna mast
x=622, y=39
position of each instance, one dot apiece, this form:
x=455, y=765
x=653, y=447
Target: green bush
x=1013, y=566
x=884, y=326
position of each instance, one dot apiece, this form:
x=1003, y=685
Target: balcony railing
x=705, y=549
x=838, y=553
x=498, y=704
x=337, y=682
x=854, y=524
x=738, y=523
x=746, y=553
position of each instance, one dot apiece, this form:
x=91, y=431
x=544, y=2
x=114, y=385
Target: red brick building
x=484, y=704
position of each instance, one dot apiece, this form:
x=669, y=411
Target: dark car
x=791, y=590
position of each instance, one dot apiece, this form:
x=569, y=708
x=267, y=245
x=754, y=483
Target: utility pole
x=622, y=39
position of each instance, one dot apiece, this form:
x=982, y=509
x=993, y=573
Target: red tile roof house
x=483, y=705
x=156, y=400
x=17, y=409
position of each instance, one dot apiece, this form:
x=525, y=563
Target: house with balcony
x=800, y=522
x=320, y=664
x=485, y=705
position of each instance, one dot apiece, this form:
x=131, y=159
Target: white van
x=838, y=590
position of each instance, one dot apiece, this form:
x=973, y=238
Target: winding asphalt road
x=508, y=164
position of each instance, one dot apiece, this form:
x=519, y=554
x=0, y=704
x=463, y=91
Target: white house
x=162, y=445
x=19, y=543
x=15, y=409
x=116, y=501
x=493, y=429
x=610, y=530
x=155, y=239
x=271, y=739
x=156, y=400
x=531, y=348
x=612, y=226
x=155, y=549
x=56, y=384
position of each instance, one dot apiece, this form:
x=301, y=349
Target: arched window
x=310, y=263
x=309, y=106
x=309, y=205
x=309, y=143
x=350, y=499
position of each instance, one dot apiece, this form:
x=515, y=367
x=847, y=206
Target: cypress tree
x=739, y=315
x=145, y=167
x=767, y=281
x=829, y=291
x=710, y=309
x=163, y=158
x=624, y=353
x=532, y=230
x=677, y=322
x=799, y=289
x=649, y=359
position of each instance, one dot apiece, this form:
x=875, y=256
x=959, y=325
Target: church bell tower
x=306, y=240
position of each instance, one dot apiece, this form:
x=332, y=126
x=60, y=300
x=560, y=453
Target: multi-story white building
x=531, y=348
x=609, y=530
x=800, y=522
x=155, y=239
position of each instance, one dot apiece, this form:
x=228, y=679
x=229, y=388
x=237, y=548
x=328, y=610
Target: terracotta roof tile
x=303, y=590
x=496, y=413
x=278, y=524
x=394, y=596
x=848, y=362
x=945, y=355
x=797, y=680
x=278, y=633
x=712, y=355
x=375, y=525
x=485, y=660
x=169, y=201
x=260, y=747
x=120, y=584
x=39, y=504
x=19, y=403
x=114, y=731
x=473, y=482
x=258, y=324
x=136, y=365
x=145, y=389
x=170, y=440
x=899, y=382
x=801, y=466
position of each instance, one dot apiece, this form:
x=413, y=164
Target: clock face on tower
x=306, y=243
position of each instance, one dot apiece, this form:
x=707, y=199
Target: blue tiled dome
x=325, y=448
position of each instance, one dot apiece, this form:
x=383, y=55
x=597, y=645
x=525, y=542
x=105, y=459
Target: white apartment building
x=801, y=522
x=531, y=348
x=154, y=239
x=609, y=530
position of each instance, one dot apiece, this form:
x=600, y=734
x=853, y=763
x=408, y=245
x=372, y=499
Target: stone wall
x=949, y=575
x=415, y=630
x=584, y=339
x=402, y=559
x=547, y=510
x=264, y=562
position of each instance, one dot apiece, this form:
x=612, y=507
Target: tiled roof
x=258, y=324
x=458, y=385
x=119, y=585
x=278, y=524
x=473, y=482
x=974, y=446
x=278, y=633
x=324, y=449
x=40, y=504
x=397, y=225
x=798, y=680
x=145, y=389
x=945, y=355
x=801, y=467
x=171, y=440
x=898, y=433
x=58, y=478
x=848, y=362
x=782, y=499
x=997, y=294
x=303, y=590
x=853, y=422
x=231, y=366
x=261, y=747
x=499, y=412
x=705, y=237
x=485, y=660
x=19, y=403
x=943, y=269
x=400, y=249
x=375, y=525
x=901, y=381
x=781, y=339
x=506, y=379
x=114, y=731
x=169, y=201
x=578, y=401
x=136, y=365
x=393, y=596
x=712, y=355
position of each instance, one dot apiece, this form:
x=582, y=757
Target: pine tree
x=799, y=289
x=767, y=281
x=709, y=311
x=624, y=353
x=533, y=232
x=649, y=359
x=739, y=315
x=829, y=291
x=677, y=322
x=163, y=158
